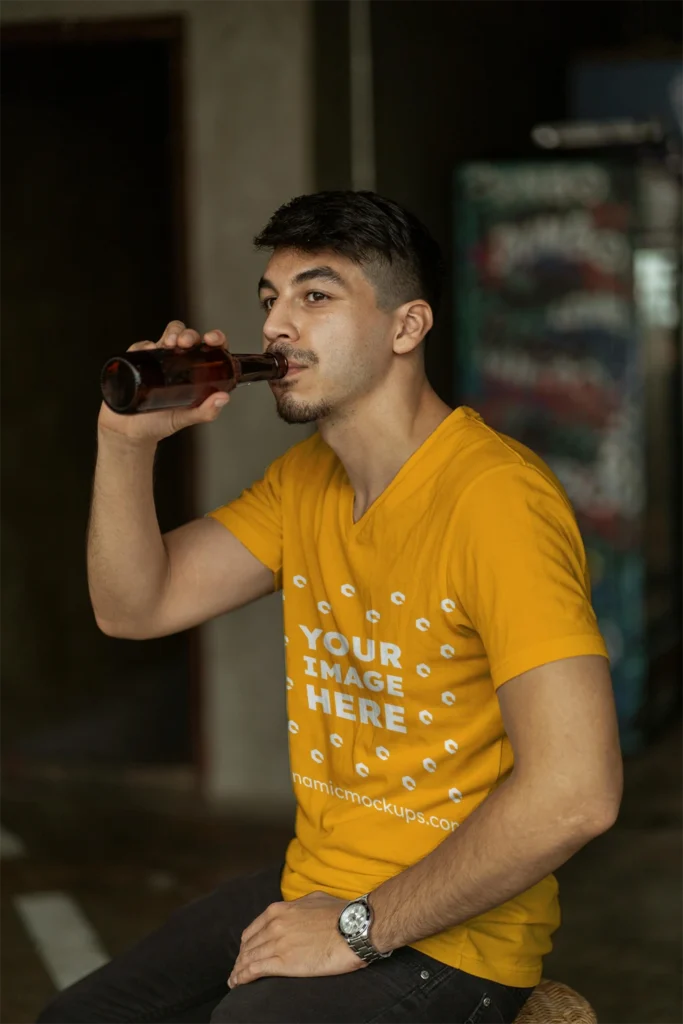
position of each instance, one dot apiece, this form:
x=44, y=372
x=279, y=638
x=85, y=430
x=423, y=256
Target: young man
x=452, y=729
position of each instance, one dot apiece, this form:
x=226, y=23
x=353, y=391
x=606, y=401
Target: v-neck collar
x=454, y=418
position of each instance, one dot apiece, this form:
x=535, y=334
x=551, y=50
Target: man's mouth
x=293, y=370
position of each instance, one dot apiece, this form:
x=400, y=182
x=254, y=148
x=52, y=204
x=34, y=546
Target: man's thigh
x=183, y=964
x=407, y=987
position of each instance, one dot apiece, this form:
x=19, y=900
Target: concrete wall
x=249, y=147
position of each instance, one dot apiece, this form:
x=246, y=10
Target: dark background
x=90, y=233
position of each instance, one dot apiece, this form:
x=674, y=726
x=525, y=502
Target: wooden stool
x=554, y=1003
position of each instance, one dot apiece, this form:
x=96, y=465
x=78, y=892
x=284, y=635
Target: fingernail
x=221, y=401
x=172, y=338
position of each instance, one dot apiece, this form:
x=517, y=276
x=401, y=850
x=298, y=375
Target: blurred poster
x=548, y=354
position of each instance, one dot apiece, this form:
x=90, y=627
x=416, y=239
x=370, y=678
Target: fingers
x=172, y=330
x=266, y=963
x=211, y=407
x=257, y=925
x=177, y=335
x=141, y=344
x=216, y=338
x=185, y=338
x=208, y=411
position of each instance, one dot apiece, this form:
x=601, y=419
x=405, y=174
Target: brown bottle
x=151, y=379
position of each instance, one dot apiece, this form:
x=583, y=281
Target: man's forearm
x=127, y=560
x=521, y=833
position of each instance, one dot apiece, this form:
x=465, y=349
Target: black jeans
x=179, y=974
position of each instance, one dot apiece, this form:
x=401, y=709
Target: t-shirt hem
x=514, y=976
x=252, y=539
x=543, y=654
x=522, y=971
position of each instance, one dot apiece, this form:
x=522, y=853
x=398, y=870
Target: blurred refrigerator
x=567, y=291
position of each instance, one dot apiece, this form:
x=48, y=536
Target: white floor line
x=11, y=845
x=65, y=939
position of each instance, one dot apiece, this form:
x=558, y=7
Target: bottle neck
x=252, y=368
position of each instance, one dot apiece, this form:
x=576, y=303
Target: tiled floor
x=128, y=865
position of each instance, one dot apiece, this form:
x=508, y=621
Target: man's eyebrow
x=265, y=283
x=314, y=273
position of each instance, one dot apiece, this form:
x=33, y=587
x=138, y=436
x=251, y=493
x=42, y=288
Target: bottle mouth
x=119, y=382
x=282, y=365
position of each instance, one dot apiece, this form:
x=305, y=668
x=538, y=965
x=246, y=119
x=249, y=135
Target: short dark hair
x=394, y=248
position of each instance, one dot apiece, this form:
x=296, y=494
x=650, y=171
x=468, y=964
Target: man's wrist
x=121, y=444
x=378, y=933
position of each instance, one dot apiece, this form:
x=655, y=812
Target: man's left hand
x=297, y=939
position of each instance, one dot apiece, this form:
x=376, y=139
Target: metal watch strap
x=361, y=945
x=365, y=950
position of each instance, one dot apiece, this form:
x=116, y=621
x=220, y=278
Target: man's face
x=322, y=315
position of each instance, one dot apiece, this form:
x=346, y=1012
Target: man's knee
x=62, y=1010
x=84, y=1002
x=221, y=1013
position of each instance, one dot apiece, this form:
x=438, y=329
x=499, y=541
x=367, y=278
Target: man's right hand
x=154, y=426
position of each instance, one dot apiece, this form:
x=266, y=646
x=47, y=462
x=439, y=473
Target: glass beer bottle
x=151, y=379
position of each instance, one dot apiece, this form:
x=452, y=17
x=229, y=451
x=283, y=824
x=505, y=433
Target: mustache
x=292, y=356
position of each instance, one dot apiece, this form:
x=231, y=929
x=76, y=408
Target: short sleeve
x=255, y=518
x=519, y=570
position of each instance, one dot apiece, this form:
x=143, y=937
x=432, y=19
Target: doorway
x=92, y=260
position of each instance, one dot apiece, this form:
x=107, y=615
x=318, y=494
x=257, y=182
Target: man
x=452, y=729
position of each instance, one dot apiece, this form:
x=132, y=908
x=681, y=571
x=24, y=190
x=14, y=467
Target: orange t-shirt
x=466, y=571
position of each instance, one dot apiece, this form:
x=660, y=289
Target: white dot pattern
x=426, y=717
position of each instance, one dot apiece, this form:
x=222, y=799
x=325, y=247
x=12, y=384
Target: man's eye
x=267, y=304
x=316, y=296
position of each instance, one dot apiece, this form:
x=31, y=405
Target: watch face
x=353, y=919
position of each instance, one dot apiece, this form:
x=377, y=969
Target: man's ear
x=415, y=320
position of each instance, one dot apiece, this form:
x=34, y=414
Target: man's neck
x=375, y=440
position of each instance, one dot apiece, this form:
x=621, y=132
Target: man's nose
x=279, y=325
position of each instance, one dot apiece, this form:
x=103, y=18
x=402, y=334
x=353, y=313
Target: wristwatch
x=354, y=925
